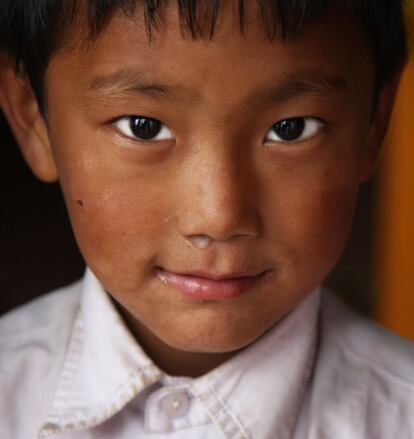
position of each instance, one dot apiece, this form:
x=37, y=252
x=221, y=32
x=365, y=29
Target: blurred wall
x=394, y=272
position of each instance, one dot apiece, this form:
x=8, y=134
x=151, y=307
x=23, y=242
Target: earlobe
x=28, y=125
x=369, y=164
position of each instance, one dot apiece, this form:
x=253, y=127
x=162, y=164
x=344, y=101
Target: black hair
x=31, y=31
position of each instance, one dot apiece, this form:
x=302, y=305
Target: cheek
x=118, y=223
x=324, y=219
x=311, y=219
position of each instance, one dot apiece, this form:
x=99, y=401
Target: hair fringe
x=32, y=30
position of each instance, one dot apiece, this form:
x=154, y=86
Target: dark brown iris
x=290, y=130
x=145, y=128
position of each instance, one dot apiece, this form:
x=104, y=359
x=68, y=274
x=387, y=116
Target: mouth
x=200, y=285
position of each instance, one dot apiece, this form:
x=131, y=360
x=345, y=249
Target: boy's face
x=216, y=170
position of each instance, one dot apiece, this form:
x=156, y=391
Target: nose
x=219, y=200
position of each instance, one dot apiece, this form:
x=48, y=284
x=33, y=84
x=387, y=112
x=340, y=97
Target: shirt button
x=175, y=405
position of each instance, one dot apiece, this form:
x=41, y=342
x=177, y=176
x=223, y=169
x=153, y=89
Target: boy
x=210, y=155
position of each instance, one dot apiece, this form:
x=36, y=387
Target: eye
x=294, y=130
x=143, y=128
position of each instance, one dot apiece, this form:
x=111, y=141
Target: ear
x=28, y=125
x=380, y=122
x=2, y=70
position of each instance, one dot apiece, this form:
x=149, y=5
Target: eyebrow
x=314, y=83
x=131, y=81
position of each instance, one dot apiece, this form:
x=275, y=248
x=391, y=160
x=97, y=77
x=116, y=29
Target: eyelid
x=313, y=126
x=122, y=124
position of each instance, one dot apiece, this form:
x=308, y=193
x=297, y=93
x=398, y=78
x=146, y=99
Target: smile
x=208, y=287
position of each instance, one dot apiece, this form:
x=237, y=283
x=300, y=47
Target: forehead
x=124, y=52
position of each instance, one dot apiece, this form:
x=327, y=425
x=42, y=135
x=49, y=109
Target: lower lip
x=201, y=288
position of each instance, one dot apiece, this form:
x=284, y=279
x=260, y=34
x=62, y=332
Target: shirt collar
x=105, y=369
x=265, y=385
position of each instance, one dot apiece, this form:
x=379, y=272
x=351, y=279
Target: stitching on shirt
x=124, y=395
x=229, y=423
x=71, y=365
x=69, y=369
x=136, y=381
x=310, y=371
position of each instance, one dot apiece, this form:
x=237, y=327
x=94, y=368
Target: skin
x=282, y=207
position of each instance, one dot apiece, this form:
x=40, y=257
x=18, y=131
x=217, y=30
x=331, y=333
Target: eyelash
x=294, y=130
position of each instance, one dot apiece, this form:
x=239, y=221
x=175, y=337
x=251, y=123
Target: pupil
x=145, y=128
x=290, y=129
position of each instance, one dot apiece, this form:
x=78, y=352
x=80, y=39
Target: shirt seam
x=232, y=418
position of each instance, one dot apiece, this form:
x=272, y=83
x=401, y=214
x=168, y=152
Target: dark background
x=38, y=252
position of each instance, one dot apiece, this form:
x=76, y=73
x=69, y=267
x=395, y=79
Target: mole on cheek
x=80, y=202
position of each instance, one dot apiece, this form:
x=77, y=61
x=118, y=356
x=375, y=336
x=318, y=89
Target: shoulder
x=33, y=343
x=363, y=384
x=38, y=326
x=42, y=312
x=366, y=341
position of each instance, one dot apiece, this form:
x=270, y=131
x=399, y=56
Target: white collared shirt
x=70, y=369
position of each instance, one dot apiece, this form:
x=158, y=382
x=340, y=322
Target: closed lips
x=200, y=285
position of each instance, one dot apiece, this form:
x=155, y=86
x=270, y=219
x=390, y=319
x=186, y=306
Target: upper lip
x=217, y=276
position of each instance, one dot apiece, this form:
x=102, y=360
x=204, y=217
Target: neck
x=173, y=362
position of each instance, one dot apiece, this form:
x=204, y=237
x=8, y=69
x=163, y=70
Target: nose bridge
x=218, y=195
